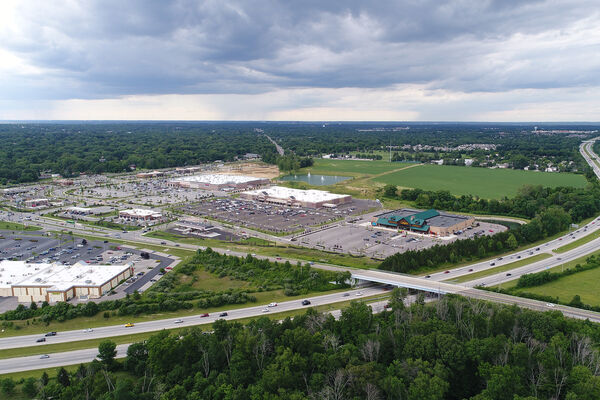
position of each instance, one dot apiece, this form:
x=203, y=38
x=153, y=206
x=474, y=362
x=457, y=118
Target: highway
x=19, y=364
x=169, y=323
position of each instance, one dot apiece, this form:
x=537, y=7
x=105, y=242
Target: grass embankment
x=567, y=264
x=123, y=339
x=499, y=269
x=276, y=250
x=579, y=242
x=13, y=226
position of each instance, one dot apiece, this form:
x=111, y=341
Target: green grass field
x=585, y=284
x=353, y=167
x=483, y=182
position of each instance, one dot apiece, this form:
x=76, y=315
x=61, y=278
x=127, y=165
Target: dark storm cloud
x=106, y=48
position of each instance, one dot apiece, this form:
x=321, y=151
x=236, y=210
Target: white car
x=272, y=305
x=44, y=356
x=88, y=330
x=359, y=293
x=550, y=305
x=178, y=321
x=265, y=310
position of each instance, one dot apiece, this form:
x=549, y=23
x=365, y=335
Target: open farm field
x=482, y=182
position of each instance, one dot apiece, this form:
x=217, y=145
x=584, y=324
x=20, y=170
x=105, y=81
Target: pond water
x=315, y=179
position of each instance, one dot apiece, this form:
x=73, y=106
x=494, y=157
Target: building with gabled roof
x=428, y=221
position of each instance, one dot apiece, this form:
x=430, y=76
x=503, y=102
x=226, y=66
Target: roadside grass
x=277, y=250
x=568, y=264
x=13, y=226
x=584, y=284
x=132, y=338
x=502, y=268
x=578, y=242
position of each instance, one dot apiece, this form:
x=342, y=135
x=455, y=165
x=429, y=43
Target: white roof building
x=218, y=181
x=57, y=282
x=305, y=198
x=139, y=213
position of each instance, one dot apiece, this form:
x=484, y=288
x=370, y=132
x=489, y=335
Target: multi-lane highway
x=157, y=325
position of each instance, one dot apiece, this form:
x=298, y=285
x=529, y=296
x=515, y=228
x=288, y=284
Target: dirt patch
x=260, y=170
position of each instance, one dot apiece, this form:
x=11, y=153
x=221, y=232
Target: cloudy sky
x=427, y=60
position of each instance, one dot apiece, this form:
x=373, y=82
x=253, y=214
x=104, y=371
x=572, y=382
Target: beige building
x=57, y=282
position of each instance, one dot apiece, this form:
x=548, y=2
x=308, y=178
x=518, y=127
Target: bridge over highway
x=406, y=281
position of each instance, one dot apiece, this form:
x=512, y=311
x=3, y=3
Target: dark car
x=43, y=339
x=427, y=276
x=508, y=274
x=223, y=314
x=305, y=302
x=50, y=334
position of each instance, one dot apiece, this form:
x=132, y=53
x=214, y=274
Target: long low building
x=218, y=182
x=140, y=215
x=297, y=197
x=429, y=221
x=57, y=282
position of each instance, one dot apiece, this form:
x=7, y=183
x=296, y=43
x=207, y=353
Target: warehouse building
x=140, y=215
x=218, y=182
x=34, y=203
x=429, y=221
x=297, y=197
x=57, y=282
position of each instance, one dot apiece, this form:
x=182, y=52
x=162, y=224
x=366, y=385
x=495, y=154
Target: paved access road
x=157, y=325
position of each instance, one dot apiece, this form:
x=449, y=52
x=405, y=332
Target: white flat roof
x=138, y=212
x=280, y=192
x=79, y=209
x=218, y=179
x=56, y=276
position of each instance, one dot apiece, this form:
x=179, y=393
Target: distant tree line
x=27, y=150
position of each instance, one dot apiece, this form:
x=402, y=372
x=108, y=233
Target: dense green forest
x=26, y=150
x=453, y=349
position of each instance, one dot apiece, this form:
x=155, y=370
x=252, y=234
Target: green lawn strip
x=568, y=264
x=579, y=242
x=98, y=320
x=132, y=338
x=502, y=268
x=10, y=226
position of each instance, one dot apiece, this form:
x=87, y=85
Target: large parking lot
x=274, y=218
x=360, y=238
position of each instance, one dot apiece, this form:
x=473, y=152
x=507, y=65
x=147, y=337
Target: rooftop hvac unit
x=38, y=280
x=88, y=281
